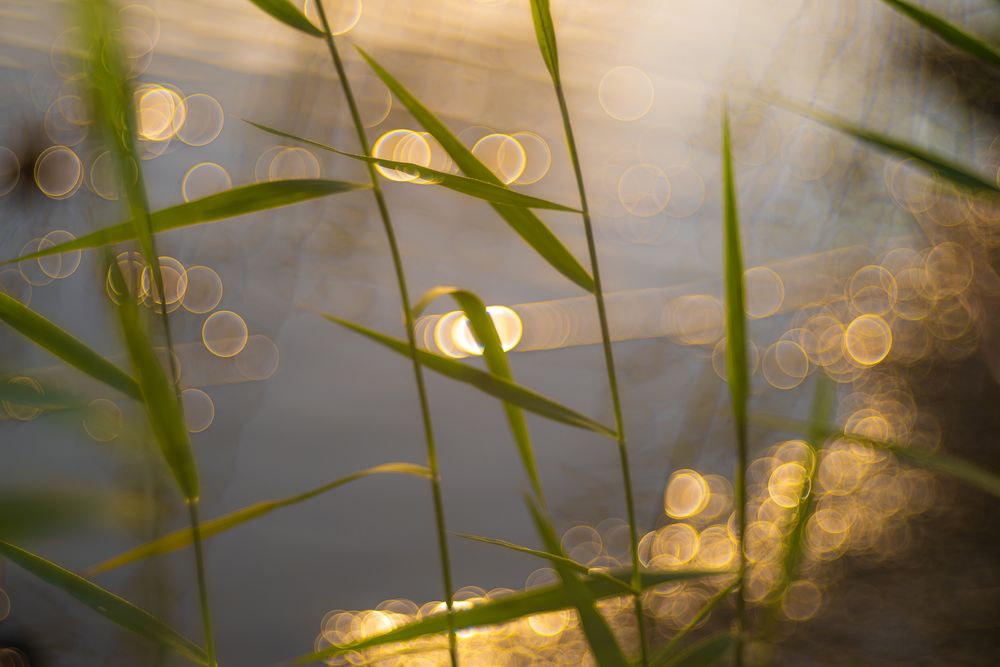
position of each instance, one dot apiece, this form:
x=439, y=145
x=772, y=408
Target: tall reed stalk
x=418, y=374
x=546, y=37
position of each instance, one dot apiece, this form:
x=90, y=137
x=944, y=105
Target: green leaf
x=736, y=336
x=708, y=651
x=287, y=13
x=229, y=204
x=29, y=512
x=51, y=398
x=184, y=537
x=485, y=382
x=949, y=32
x=599, y=636
x=504, y=609
x=524, y=222
x=957, y=174
x=944, y=464
x=823, y=404
x=62, y=344
x=546, y=35
x=104, y=602
x=672, y=651
x=472, y=187
x=496, y=360
x=162, y=402
x=568, y=562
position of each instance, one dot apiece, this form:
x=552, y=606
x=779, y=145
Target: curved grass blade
x=163, y=407
x=524, y=222
x=32, y=512
x=490, y=192
x=602, y=642
x=546, y=34
x=672, y=650
x=937, y=462
x=62, y=344
x=106, y=603
x=287, y=13
x=568, y=562
x=822, y=408
x=736, y=356
x=949, y=32
x=957, y=174
x=496, y=361
x=184, y=537
x=229, y=204
x=505, y=609
x=486, y=382
x=50, y=399
x=704, y=653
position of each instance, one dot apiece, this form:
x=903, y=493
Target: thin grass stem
x=397, y=261
x=609, y=361
x=206, y=613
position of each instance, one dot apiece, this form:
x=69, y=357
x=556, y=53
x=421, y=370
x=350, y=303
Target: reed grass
x=579, y=587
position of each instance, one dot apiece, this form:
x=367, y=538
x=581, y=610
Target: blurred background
x=862, y=268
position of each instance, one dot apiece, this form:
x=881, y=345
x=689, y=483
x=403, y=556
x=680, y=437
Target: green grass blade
x=672, y=651
x=486, y=382
x=504, y=609
x=823, y=404
x=62, y=344
x=568, y=562
x=163, y=407
x=709, y=651
x=489, y=192
x=31, y=512
x=944, y=464
x=287, y=13
x=106, y=603
x=524, y=222
x=949, y=32
x=113, y=105
x=957, y=174
x=546, y=35
x=51, y=398
x=736, y=354
x=220, y=206
x=602, y=642
x=496, y=361
x=184, y=537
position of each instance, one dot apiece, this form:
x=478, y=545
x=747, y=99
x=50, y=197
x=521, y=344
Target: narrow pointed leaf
x=823, y=403
x=62, y=344
x=183, y=538
x=524, y=222
x=485, y=382
x=229, y=204
x=601, y=640
x=162, y=402
x=504, y=609
x=568, y=562
x=496, y=361
x=938, y=462
x=104, y=602
x=472, y=187
x=673, y=651
x=736, y=338
x=944, y=167
x=287, y=13
x=949, y=32
x=704, y=653
x=546, y=35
